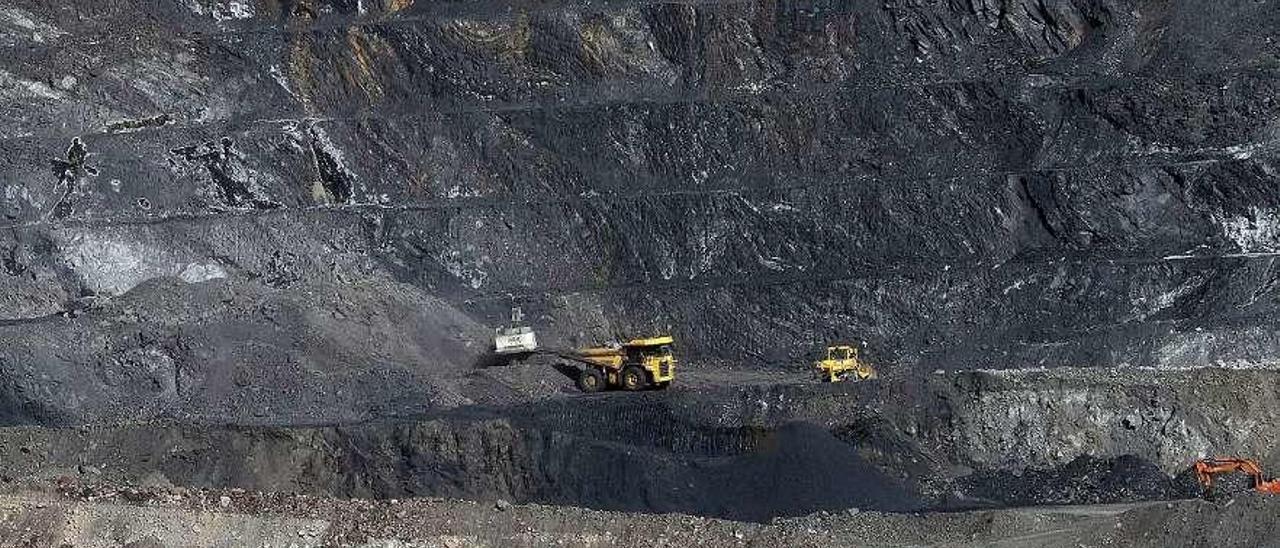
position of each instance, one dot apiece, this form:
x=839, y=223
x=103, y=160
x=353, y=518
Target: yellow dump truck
x=633, y=365
x=842, y=363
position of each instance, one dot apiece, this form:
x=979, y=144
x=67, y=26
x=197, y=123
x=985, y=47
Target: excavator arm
x=1206, y=469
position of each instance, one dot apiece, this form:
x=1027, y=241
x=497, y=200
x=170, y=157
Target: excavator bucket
x=515, y=341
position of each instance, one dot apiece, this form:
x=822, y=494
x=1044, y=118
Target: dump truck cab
x=632, y=365
x=842, y=363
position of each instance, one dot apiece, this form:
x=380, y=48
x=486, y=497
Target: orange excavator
x=1207, y=468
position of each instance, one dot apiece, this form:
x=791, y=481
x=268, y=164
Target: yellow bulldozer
x=633, y=365
x=841, y=364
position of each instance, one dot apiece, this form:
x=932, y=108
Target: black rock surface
x=960, y=184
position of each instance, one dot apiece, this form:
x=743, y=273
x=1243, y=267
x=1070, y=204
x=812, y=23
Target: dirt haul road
x=103, y=516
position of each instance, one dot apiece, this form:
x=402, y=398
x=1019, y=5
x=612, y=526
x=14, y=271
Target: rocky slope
x=962, y=184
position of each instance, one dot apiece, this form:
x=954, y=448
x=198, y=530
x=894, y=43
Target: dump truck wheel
x=633, y=378
x=590, y=380
x=662, y=385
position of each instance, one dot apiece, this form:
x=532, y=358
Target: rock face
x=962, y=184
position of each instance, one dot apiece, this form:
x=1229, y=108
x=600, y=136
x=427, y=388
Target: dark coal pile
x=800, y=469
x=1084, y=480
x=745, y=474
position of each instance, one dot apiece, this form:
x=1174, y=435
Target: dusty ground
x=93, y=516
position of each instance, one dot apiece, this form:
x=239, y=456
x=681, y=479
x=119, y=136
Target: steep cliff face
x=960, y=183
